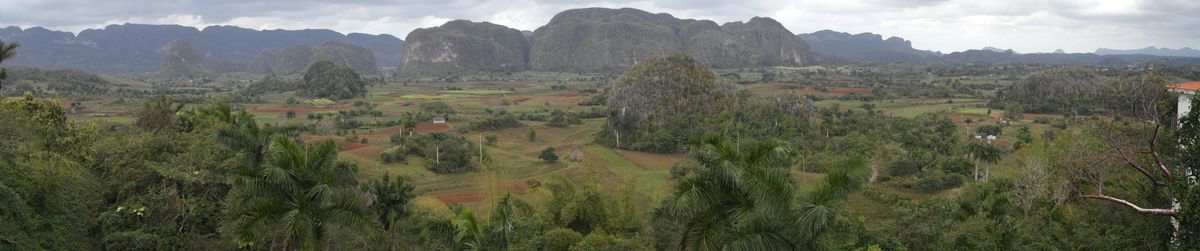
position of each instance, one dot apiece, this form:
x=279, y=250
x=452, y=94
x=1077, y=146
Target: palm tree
x=819, y=207
x=390, y=199
x=983, y=152
x=747, y=200
x=738, y=200
x=7, y=51
x=295, y=197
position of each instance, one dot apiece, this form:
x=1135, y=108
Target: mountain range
x=140, y=48
x=864, y=47
x=1166, y=52
x=577, y=40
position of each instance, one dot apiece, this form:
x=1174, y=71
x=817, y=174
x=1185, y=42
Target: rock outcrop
x=464, y=47
x=599, y=39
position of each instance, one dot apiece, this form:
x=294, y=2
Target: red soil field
x=520, y=100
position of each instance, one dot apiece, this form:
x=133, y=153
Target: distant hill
x=600, y=39
x=296, y=59
x=139, y=48
x=1010, y=57
x=462, y=46
x=181, y=60
x=864, y=47
x=1166, y=52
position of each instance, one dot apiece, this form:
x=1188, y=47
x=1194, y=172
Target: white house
x=439, y=120
x=1186, y=91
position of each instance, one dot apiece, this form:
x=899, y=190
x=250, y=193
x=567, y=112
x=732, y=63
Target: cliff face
x=464, y=47
x=598, y=39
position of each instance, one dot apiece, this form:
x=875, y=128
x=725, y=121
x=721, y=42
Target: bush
x=937, y=182
x=989, y=130
x=548, y=155
x=604, y=242
x=495, y=122
x=561, y=238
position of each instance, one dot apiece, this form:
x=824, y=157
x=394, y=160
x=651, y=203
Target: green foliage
x=532, y=135
x=389, y=199
x=561, y=238
x=745, y=199
x=495, y=122
x=1059, y=90
x=491, y=140
x=297, y=196
x=989, y=130
x=324, y=79
x=443, y=153
x=548, y=155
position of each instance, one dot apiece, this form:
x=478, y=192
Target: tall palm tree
x=295, y=197
x=746, y=199
x=7, y=51
x=737, y=200
x=983, y=152
x=390, y=199
x=464, y=232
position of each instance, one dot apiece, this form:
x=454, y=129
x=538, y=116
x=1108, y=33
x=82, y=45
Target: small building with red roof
x=1186, y=91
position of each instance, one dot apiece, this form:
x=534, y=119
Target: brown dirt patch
x=651, y=161
x=431, y=127
x=368, y=151
x=461, y=198
x=520, y=100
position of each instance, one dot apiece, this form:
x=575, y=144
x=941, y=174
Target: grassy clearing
x=478, y=92
x=433, y=97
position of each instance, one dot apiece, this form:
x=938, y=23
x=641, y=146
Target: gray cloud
x=946, y=25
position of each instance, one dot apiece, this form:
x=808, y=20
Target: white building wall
x=1185, y=103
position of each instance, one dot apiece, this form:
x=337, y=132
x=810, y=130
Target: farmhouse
x=1186, y=91
x=439, y=120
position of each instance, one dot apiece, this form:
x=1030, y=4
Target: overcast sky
x=944, y=25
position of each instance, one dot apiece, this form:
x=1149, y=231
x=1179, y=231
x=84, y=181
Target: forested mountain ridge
x=864, y=47
x=600, y=39
x=139, y=48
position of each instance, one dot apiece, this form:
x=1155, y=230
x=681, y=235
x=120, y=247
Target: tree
x=1014, y=111
x=295, y=198
x=983, y=152
x=7, y=51
x=1124, y=149
x=746, y=199
x=389, y=199
x=548, y=155
x=291, y=114
x=532, y=135
x=158, y=114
